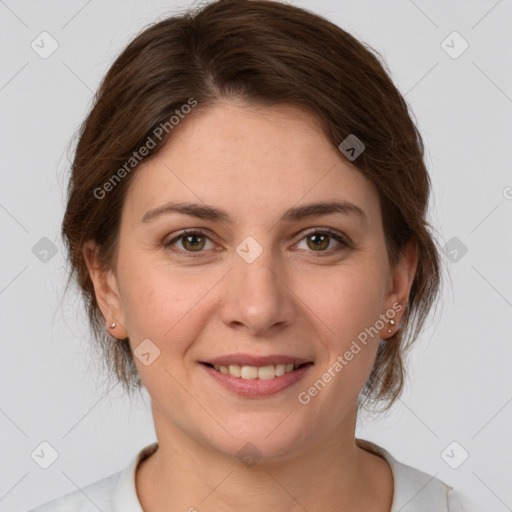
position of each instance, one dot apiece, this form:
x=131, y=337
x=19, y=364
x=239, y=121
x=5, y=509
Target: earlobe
x=106, y=290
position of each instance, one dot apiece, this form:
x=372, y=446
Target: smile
x=257, y=381
x=256, y=372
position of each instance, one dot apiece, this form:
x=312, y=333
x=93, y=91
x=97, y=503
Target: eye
x=192, y=241
x=319, y=239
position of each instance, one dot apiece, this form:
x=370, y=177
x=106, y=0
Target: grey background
x=459, y=386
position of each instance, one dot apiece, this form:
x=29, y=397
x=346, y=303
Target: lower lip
x=257, y=387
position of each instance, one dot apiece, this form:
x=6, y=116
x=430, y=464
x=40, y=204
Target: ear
x=107, y=291
x=399, y=286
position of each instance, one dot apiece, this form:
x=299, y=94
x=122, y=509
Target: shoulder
x=115, y=493
x=93, y=497
x=417, y=491
x=460, y=502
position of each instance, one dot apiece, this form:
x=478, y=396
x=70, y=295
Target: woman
x=247, y=222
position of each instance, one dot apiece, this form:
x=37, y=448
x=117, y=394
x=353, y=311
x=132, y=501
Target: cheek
x=348, y=310
x=346, y=316
x=163, y=304
x=349, y=300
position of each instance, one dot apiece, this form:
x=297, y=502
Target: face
x=260, y=280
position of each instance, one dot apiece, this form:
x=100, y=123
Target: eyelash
x=344, y=243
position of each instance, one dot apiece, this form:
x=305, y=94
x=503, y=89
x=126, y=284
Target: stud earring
x=113, y=325
x=393, y=323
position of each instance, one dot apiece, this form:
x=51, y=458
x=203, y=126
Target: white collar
x=125, y=497
x=413, y=490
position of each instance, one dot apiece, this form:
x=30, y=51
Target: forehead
x=249, y=159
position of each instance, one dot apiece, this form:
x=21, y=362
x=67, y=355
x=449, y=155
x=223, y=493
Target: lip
x=252, y=360
x=256, y=388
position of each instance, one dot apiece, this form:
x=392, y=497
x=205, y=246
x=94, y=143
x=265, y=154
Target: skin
x=294, y=299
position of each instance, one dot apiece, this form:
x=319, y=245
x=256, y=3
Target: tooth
x=280, y=369
x=249, y=372
x=266, y=372
x=235, y=370
x=256, y=372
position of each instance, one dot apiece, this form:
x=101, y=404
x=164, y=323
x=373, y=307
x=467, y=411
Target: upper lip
x=252, y=360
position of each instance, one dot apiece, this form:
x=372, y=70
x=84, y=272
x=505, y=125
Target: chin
x=259, y=437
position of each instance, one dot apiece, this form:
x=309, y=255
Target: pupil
x=193, y=237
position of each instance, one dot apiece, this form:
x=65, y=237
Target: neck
x=334, y=474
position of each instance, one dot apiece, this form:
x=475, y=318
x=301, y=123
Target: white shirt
x=414, y=490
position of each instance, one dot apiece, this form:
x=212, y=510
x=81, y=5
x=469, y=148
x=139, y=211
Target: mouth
x=250, y=381
x=266, y=372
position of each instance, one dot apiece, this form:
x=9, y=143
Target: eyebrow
x=293, y=214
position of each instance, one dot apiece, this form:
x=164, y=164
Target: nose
x=257, y=296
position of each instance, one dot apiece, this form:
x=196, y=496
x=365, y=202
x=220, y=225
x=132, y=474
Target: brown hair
x=265, y=53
